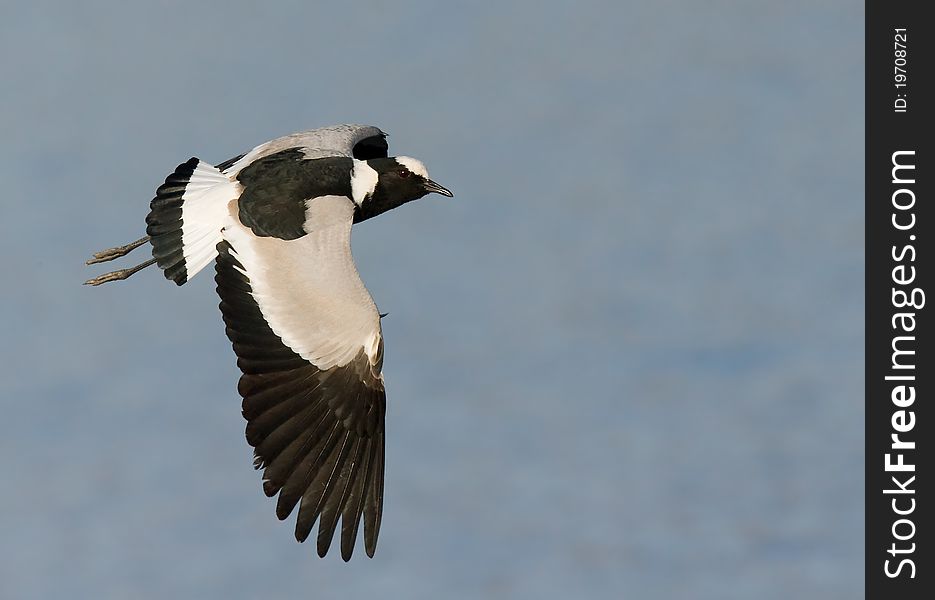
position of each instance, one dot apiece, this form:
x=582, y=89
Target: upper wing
x=362, y=142
x=277, y=189
x=190, y=208
x=308, y=340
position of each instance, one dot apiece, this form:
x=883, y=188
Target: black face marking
x=164, y=223
x=227, y=164
x=396, y=186
x=374, y=146
x=277, y=186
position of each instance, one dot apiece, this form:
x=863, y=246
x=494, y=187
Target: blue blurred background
x=624, y=361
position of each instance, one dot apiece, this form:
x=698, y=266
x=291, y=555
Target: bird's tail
x=186, y=217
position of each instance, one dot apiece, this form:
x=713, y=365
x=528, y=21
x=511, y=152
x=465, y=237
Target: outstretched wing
x=307, y=337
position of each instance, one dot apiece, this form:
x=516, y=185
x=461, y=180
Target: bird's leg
x=118, y=275
x=112, y=253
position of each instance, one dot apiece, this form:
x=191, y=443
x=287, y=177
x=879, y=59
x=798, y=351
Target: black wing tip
x=370, y=544
x=284, y=509
x=323, y=547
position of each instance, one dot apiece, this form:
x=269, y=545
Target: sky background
x=624, y=361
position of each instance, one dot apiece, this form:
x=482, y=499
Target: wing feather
x=373, y=505
x=354, y=505
x=316, y=427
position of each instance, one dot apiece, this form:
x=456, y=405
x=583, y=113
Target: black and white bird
x=277, y=223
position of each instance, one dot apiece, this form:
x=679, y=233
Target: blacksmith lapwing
x=277, y=223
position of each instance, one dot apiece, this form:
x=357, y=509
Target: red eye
x=404, y=173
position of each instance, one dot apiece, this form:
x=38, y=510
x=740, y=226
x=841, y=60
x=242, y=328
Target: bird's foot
x=118, y=275
x=112, y=253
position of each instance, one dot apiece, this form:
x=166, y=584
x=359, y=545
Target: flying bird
x=276, y=221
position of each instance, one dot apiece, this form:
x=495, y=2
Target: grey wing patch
x=338, y=140
x=276, y=188
x=318, y=434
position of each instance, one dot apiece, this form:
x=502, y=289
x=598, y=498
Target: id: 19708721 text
x=900, y=74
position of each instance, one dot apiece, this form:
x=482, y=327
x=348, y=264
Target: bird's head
x=382, y=184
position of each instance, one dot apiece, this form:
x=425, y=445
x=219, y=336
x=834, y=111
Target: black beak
x=430, y=186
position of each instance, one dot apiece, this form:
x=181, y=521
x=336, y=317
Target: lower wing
x=307, y=338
